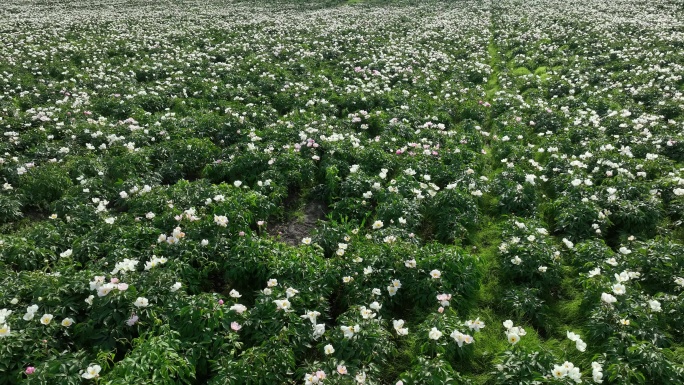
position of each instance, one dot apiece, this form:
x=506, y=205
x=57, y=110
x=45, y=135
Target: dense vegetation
x=333, y=192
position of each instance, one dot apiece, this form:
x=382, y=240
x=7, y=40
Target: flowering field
x=342, y=192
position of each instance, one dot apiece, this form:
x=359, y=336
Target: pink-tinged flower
x=235, y=326
x=132, y=321
x=441, y=309
x=114, y=280
x=122, y=286
x=241, y=233
x=30, y=370
x=341, y=369
x=220, y=302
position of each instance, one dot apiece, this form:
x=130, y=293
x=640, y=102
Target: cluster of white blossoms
x=597, y=372
x=318, y=329
x=154, y=262
x=314, y=378
x=341, y=249
x=176, y=235
x=394, y=286
x=461, y=338
x=475, y=324
x=350, y=331
x=124, y=266
x=513, y=333
x=221, y=220
x=567, y=369
x=579, y=344
x=30, y=312
x=103, y=288
x=366, y=313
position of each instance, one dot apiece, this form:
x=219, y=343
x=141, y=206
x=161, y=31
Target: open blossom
x=221, y=220
x=434, y=334
x=679, y=281
x=619, y=289
x=92, y=372
x=444, y=299
x=141, y=302
x=513, y=333
x=106, y=289
x=46, y=319
x=512, y=338
x=654, y=305
x=311, y=316
x=154, y=262
x=238, y=308
x=475, y=325
x=291, y=292
x=328, y=349
x=133, y=320
x=235, y=326
x=568, y=244
x=612, y=261
x=67, y=322
x=349, y=331
x=608, y=298
x=175, y=287
x=282, y=304
x=399, y=327
x=580, y=345
x=461, y=338
x=4, y=314
x=377, y=225
x=318, y=331
x=435, y=274
x=596, y=372
x=4, y=330
x=411, y=263
x=366, y=313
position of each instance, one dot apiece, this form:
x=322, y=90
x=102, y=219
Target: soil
x=292, y=231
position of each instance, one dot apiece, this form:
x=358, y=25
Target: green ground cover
x=342, y=192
